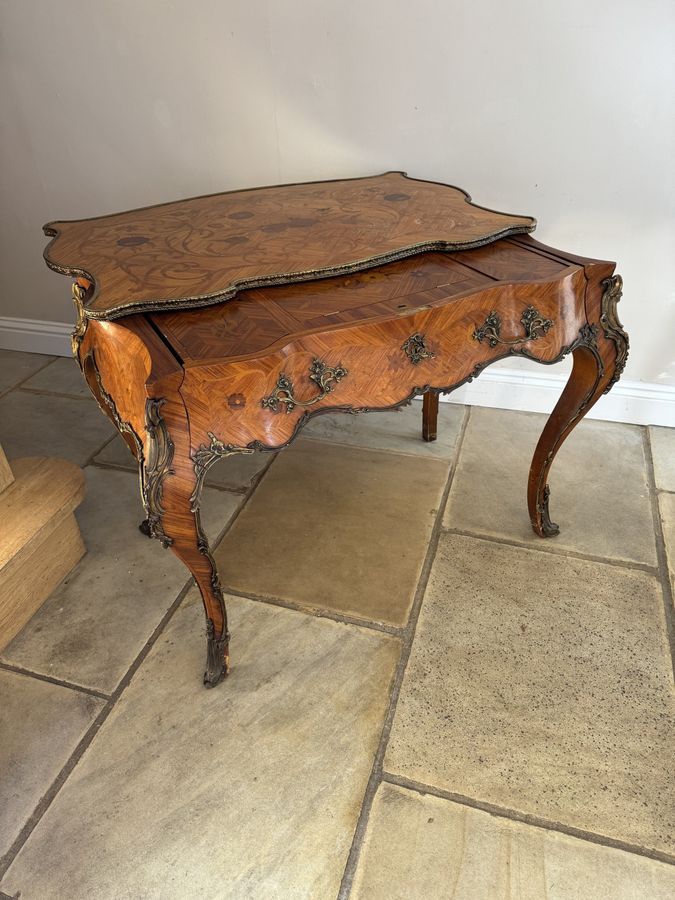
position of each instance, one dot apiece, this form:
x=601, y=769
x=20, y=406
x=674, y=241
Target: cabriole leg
x=171, y=497
x=599, y=359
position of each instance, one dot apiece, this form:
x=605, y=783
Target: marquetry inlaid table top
x=203, y=250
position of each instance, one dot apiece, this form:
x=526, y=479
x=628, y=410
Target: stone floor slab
x=337, y=528
x=544, y=685
x=599, y=492
x=249, y=790
x=399, y=430
x=420, y=847
x=40, y=425
x=63, y=376
x=97, y=621
x=233, y=473
x=662, y=442
x=40, y=726
x=667, y=512
x=15, y=367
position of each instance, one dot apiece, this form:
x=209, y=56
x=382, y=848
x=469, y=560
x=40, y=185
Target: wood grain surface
x=201, y=251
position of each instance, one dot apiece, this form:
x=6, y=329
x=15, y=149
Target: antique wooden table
x=220, y=324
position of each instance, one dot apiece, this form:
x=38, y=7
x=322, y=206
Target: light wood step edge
x=6, y=476
x=44, y=492
x=25, y=586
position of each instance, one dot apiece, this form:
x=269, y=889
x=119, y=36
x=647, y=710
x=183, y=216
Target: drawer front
x=381, y=364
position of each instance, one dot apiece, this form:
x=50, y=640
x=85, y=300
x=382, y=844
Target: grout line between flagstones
x=314, y=439
x=555, y=551
x=72, y=761
x=377, y=777
x=111, y=701
x=17, y=386
x=41, y=392
x=319, y=613
x=515, y=815
x=661, y=555
x=133, y=470
x=408, y=636
x=50, y=679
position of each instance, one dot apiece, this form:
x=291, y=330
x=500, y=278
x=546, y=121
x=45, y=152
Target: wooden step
x=40, y=540
x=6, y=476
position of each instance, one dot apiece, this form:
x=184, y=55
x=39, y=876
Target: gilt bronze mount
x=416, y=350
x=534, y=323
x=320, y=373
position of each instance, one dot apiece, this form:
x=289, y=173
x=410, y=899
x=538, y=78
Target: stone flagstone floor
x=426, y=700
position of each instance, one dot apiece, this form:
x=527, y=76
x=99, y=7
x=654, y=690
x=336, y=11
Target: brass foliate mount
x=155, y=469
x=204, y=457
x=611, y=326
x=534, y=323
x=416, y=350
x=326, y=377
x=81, y=325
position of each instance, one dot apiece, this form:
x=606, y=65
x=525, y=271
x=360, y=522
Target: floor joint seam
x=110, y=700
x=375, y=778
x=17, y=386
x=87, y=738
x=50, y=679
x=89, y=461
x=515, y=815
x=133, y=470
x=554, y=551
x=392, y=630
x=239, y=510
x=408, y=455
x=41, y=392
x=661, y=554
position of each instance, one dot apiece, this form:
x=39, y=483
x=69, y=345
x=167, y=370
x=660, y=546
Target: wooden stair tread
x=6, y=476
x=43, y=490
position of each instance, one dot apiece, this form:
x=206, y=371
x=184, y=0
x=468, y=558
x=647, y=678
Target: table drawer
x=382, y=364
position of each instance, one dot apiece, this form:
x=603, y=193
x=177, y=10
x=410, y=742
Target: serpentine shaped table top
x=204, y=250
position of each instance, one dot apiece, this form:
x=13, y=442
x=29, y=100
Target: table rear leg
x=429, y=416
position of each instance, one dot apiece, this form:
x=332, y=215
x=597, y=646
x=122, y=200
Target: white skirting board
x=35, y=336
x=634, y=402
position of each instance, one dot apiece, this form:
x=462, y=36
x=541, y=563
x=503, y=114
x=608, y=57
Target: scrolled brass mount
x=534, y=323
x=78, y=294
x=321, y=374
x=416, y=350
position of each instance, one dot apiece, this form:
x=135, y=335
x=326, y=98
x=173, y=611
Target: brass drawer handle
x=416, y=350
x=319, y=373
x=534, y=323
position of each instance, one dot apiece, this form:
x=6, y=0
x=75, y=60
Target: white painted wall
x=565, y=111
